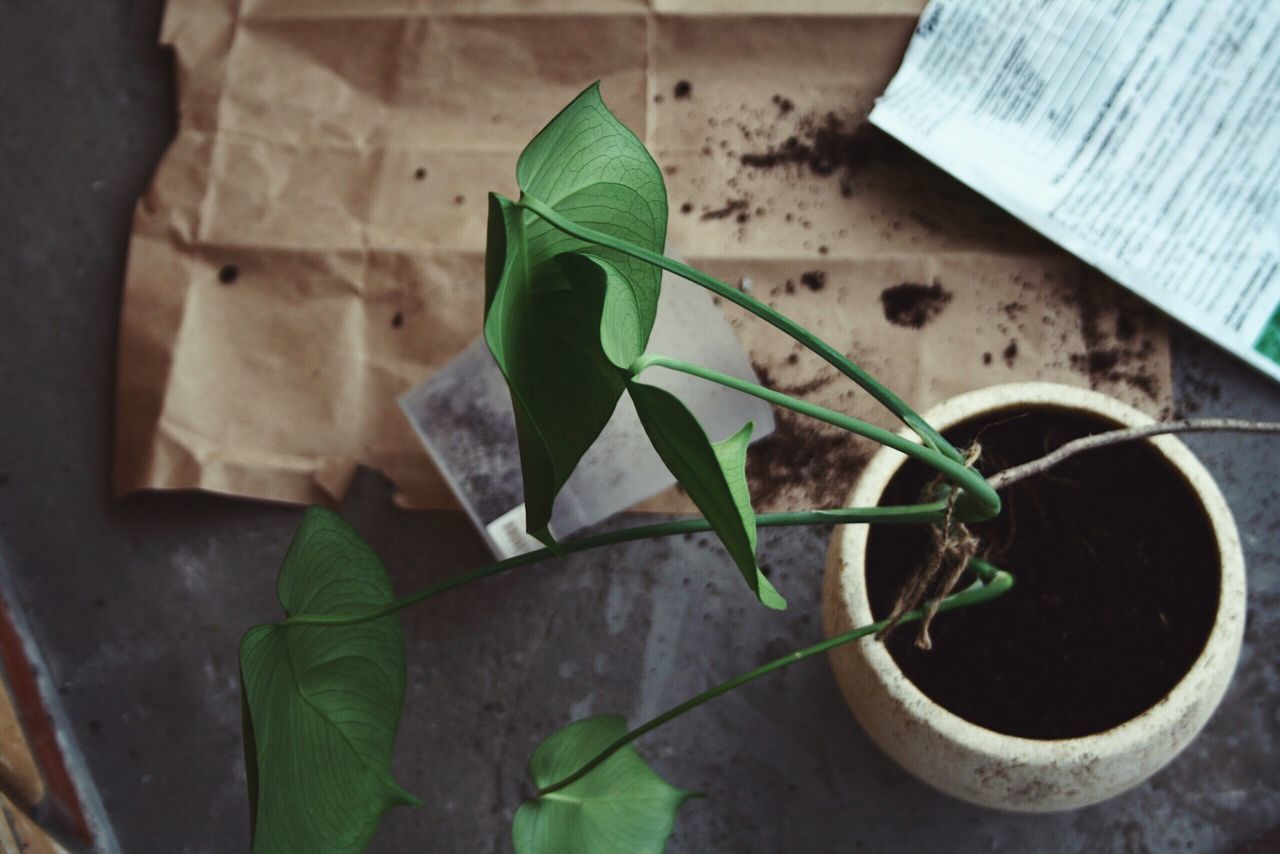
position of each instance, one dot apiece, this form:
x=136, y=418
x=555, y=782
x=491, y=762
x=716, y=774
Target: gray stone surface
x=140, y=603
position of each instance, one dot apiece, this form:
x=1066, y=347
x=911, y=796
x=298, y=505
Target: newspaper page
x=1142, y=136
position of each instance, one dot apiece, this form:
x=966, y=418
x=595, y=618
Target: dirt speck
x=420, y=174
x=397, y=320
x=1010, y=353
x=912, y=304
x=683, y=89
x=686, y=208
x=814, y=280
x=732, y=207
x=228, y=274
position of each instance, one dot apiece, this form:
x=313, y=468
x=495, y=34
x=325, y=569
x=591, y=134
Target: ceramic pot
x=1003, y=771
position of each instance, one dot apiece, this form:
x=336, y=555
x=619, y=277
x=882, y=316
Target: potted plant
x=572, y=277
x=1114, y=649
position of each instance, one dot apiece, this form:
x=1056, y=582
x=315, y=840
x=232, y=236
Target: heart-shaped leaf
x=714, y=475
x=621, y=806
x=564, y=317
x=322, y=703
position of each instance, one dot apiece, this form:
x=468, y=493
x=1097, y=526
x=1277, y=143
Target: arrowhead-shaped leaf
x=322, y=703
x=543, y=329
x=589, y=166
x=563, y=317
x=714, y=475
x=621, y=806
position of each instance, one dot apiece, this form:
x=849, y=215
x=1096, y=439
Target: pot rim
x=1223, y=641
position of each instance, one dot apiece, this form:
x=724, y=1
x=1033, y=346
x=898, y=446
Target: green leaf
x=322, y=703
x=542, y=327
x=621, y=806
x=590, y=167
x=564, y=318
x=714, y=475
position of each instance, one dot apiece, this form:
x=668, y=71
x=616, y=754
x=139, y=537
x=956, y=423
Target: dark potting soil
x=1116, y=584
x=912, y=304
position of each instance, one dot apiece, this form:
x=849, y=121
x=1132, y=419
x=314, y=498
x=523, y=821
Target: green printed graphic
x=1268, y=343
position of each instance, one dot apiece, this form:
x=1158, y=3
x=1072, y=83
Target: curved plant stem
x=982, y=494
x=833, y=356
x=905, y=514
x=1012, y=475
x=992, y=583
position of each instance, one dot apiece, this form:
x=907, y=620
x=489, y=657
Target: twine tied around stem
x=954, y=547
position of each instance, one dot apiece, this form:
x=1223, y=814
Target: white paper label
x=508, y=535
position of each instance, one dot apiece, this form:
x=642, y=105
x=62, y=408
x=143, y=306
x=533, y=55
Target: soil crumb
x=1011, y=353
x=683, y=89
x=912, y=304
x=228, y=274
x=814, y=280
x=731, y=207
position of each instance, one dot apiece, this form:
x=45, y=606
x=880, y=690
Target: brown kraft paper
x=312, y=243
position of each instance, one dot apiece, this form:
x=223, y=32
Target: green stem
x=993, y=582
x=905, y=514
x=984, y=497
x=833, y=356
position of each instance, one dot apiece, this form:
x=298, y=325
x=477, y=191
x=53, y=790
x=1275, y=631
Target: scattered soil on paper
x=1116, y=584
x=1115, y=350
x=826, y=145
x=801, y=454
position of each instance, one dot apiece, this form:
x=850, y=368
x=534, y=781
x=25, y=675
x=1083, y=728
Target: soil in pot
x=1116, y=591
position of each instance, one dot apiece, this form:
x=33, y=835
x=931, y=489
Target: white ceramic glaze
x=1002, y=771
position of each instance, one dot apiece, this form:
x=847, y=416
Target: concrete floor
x=140, y=603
